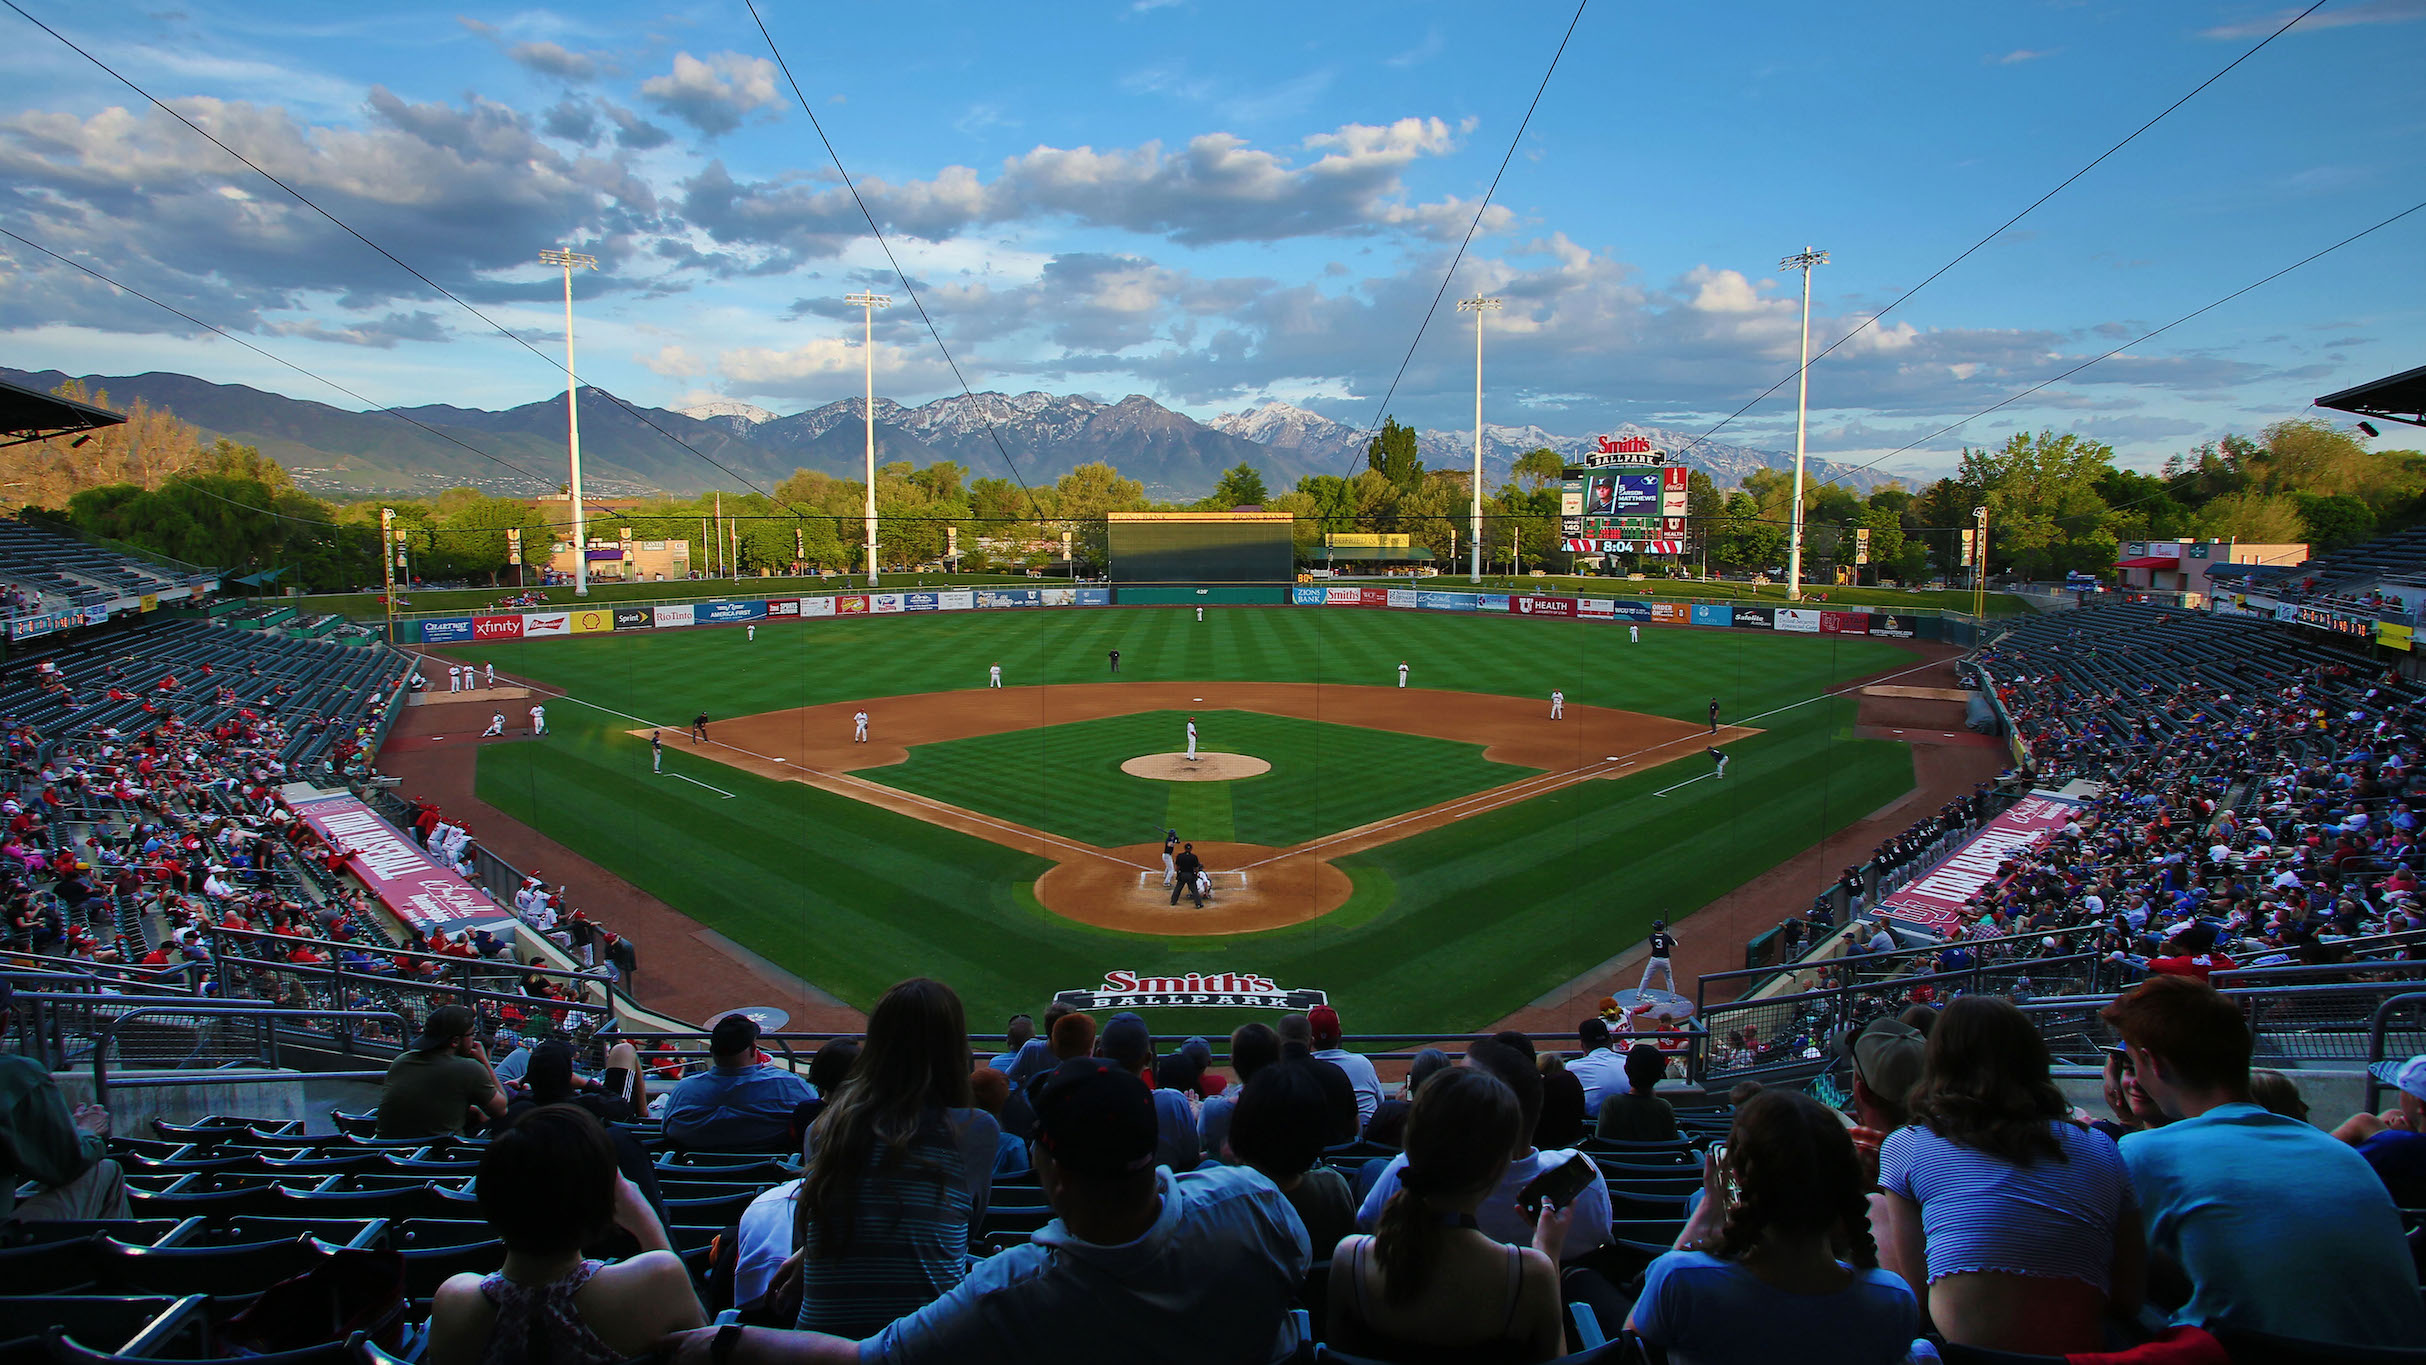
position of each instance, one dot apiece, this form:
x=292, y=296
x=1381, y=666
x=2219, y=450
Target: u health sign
x=1543, y=606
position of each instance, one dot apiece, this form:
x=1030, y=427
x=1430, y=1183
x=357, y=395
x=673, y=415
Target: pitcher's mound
x=1205, y=768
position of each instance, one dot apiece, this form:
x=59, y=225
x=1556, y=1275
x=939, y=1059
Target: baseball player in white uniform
x=994, y=676
x=1558, y=704
x=454, y=678
x=1634, y=635
x=750, y=631
x=492, y=668
x=496, y=725
x=1200, y=613
x=1191, y=739
x=1402, y=673
x=539, y=720
x=859, y=727
x=656, y=751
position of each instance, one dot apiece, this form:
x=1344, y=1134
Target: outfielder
x=656, y=751
x=1634, y=634
x=1191, y=741
x=1558, y=704
x=1663, y=944
x=859, y=727
x=994, y=676
x=1402, y=673
x=1200, y=613
x=1721, y=760
x=496, y=725
x=539, y=720
x=1170, y=849
x=751, y=631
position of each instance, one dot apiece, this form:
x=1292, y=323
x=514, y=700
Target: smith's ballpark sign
x=1129, y=991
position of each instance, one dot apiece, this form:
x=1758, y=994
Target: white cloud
x=674, y=362
x=714, y=95
x=2341, y=16
x=2019, y=55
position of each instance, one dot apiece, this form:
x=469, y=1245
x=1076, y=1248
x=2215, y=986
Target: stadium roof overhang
x=2396, y=398
x=32, y=415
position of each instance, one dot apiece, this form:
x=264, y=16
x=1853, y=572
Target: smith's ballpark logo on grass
x=1129, y=991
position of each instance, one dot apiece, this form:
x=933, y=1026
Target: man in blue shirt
x=2394, y=1143
x=740, y=1104
x=2279, y=1228
x=1193, y=1269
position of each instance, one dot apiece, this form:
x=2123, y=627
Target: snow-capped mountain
x=1333, y=447
x=727, y=415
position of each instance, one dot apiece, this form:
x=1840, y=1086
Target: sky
x=1219, y=204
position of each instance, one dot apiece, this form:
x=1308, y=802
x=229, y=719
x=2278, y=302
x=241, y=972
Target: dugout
x=1200, y=547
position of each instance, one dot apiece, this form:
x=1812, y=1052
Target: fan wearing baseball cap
x=2394, y=1142
x=1322, y=1022
x=1196, y=1269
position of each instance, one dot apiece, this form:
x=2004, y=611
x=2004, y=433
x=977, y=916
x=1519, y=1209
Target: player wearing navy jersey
x=1663, y=947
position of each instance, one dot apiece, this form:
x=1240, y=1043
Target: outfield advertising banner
x=1596, y=608
x=1705, y=614
x=538, y=623
x=990, y=598
x=1672, y=613
x=1893, y=627
x=1061, y=597
x=496, y=627
x=1343, y=597
x=455, y=630
x=783, y=606
x=1399, y=597
x=1313, y=595
x=1426, y=600
x=1543, y=606
x=959, y=600
x=1094, y=597
x=922, y=601
x=1490, y=601
x=721, y=613
x=1934, y=903
x=1630, y=611
x=1844, y=623
x=1752, y=618
x=1799, y=620
x=884, y=603
x=668, y=618
x=635, y=618
x=593, y=621
x=851, y=604
x=817, y=606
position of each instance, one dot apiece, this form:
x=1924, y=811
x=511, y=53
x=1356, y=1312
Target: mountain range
x=418, y=451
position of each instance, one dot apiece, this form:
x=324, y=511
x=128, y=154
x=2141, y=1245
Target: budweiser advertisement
x=1935, y=901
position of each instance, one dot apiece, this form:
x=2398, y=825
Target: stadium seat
x=217, y=1270
x=65, y=1350
x=52, y=1267
x=130, y=1324
x=426, y=1268
x=2261, y=1348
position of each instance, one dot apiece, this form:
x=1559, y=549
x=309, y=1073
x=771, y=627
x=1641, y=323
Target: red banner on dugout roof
x=410, y=883
x=1935, y=901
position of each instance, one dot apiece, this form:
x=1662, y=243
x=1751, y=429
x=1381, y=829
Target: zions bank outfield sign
x=1130, y=991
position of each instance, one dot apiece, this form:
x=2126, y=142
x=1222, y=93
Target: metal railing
x=108, y=1041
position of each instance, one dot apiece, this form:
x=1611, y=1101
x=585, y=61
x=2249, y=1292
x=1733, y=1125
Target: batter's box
x=1152, y=880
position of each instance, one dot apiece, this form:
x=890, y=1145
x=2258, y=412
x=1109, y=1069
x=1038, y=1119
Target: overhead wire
x=2000, y=228
x=887, y=247
x=1382, y=411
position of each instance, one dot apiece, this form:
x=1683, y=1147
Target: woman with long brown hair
x=2018, y=1223
x=899, y=1165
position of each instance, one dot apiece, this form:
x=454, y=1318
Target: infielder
x=1402, y=673
x=751, y=631
x=994, y=676
x=1634, y=634
x=539, y=720
x=859, y=727
x=1714, y=715
x=1191, y=741
x=496, y=725
x=699, y=729
x=656, y=751
x=1721, y=760
x=1558, y=704
x=1170, y=849
x=492, y=668
x=1663, y=944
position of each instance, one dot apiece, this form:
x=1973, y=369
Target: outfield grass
x=1450, y=929
x=1066, y=779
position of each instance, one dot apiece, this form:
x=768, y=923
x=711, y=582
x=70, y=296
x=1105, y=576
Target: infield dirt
x=1281, y=886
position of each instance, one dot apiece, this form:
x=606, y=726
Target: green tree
x=1391, y=454
x=1539, y=467
x=2336, y=520
x=2040, y=490
x=2266, y=518
x=1240, y=486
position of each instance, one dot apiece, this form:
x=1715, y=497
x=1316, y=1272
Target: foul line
x=697, y=783
x=1686, y=783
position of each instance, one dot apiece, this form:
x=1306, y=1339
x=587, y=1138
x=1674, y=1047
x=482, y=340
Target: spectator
x=1279, y=1129
x=1035, y=1056
x=1638, y=1115
x=1297, y=1041
x=1498, y=1216
x=990, y=1092
x=898, y=1170
x=1886, y=1057
x=2019, y=1223
x=2279, y=1228
x=443, y=1084
x=1601, y=1067
x=549, y=1187
x=829, y=1067
x=1389, y=1125
x=1015, y=1036
x=1755, y=1278
x=44, y=1143
x=1562, y=1121
x=1073, y=1037
x=2394, y=1142
x=2277, y=1093
x=1322, y=1022
x=1126, y=1041
x=1429, y=1279
x=1201, y=1265
x=1252, y=1048
x=742, y=1102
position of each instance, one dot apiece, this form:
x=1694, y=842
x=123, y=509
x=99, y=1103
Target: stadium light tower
x=571, y=261
x=1478, y=305
x=1803, y=261
x=868, y=304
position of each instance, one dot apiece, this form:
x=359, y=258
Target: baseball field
x=1433, y=857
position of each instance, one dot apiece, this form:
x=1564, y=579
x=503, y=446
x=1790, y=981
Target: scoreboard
x=1624, y=491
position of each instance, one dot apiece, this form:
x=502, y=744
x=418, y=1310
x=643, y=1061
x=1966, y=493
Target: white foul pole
x=1478, y=305
x=570, y=261
x=868, y=304
x=1802, y=261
